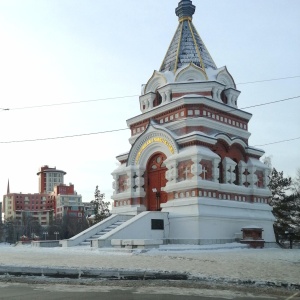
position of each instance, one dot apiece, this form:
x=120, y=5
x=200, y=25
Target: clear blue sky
x=69, y=50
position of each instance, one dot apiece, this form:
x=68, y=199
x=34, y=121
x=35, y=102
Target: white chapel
x=190, y=175
x=189, y=153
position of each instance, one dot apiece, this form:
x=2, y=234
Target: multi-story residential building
x=55, y=199
x=67, y=202
x=49, y=178
x=37, y=206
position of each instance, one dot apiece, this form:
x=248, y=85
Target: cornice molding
x=185, y=100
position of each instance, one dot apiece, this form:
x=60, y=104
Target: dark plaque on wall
x=157, y=224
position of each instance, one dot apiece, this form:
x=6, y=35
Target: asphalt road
x=60, y=291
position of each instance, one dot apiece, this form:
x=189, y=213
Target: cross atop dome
x=185, y=9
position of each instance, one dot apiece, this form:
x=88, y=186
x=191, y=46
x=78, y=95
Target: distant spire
x=185, y=9
x=8, y=189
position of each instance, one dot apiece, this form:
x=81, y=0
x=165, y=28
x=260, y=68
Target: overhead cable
x=278, y=142
x=121, y=129
x=122, y=97
x=63, y=137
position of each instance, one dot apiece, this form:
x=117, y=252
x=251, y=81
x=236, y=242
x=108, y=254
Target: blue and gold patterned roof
x=186, y=46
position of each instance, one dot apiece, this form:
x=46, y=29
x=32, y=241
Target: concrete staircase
x=88, y=241
x=95, y=232
x=139, y=230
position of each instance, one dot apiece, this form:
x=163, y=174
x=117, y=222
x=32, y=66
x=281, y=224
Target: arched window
x=224, y=98
x=236, y=171
x=220, y=171
x=158, y=99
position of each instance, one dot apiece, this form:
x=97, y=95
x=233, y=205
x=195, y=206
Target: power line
x=116, y=130
x=64, y=137
x=272, y=143
x=122, y=129
x=68, y=103
x=265, y=80
x=266, y=103
x=122, y=97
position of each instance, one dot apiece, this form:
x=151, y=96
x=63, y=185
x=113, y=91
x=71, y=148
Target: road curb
x=119, y=274
x=112, y=274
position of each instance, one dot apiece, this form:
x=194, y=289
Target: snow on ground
x=232, y=261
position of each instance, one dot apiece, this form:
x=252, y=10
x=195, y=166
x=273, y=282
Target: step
x=96, y=236
x=90, y=239
x=85, y=243
x=101, y=233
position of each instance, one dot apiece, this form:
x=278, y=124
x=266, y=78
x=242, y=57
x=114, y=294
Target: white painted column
x=172, y=172
x=216, y=171
x=228, y=170
x=115, y=184
x=168, y=96
x=139, y=181
x=216, y=92
x=196, y=168
x=130, y=180
x=252, y=177
x=242, y=177
x=151, y=100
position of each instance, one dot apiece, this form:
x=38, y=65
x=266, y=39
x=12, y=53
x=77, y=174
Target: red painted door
x=156, y=173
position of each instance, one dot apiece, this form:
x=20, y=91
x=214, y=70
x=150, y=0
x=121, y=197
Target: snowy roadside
x=216, y=263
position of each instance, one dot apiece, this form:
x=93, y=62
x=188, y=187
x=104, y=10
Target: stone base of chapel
x=213, y=221
x=129, y=210
x=199, y=241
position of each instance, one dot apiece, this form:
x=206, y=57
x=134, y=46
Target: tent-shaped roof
x=187, y=46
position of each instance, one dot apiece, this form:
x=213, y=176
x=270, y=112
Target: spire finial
x=8, y=189
x=185, y=9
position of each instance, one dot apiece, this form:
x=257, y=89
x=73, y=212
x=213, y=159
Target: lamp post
x=157, y=195
x=45, y=233
x=56, y=233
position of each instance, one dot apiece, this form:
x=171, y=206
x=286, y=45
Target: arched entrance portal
x=156, y=178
